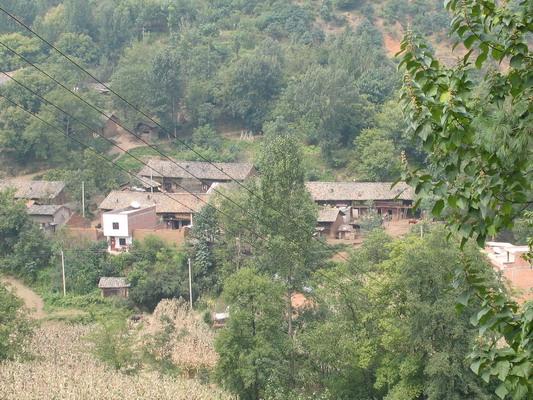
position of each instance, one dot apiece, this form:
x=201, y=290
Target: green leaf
x=438, y=207
x=481, y=59
x=516, y=61
x=469, y=41
x=475, y=366
x=502, y=368
x=464, y=297
x=501, y=391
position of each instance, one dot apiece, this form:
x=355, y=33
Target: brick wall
x=170, y=236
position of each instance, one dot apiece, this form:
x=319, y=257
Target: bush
x=15, y=327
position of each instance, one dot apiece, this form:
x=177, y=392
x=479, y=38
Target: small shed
x=114, y=286
x=328, y=222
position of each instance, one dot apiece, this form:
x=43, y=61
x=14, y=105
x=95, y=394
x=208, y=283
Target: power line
x=119, y=147
x=145, y=115
x=128, y=172
x=328, y=247
x=121, y=168
x=125, y=128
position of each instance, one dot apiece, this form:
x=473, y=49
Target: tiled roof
x=26, y=189
x=36, y=209
x=112, y=283
x=361, y=191
x=164, y=202
x=328, y=214
x=201, y=170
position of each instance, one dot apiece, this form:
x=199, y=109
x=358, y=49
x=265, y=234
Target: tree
x=252, y=346
x=29, y=47
x=78, y=45
x=15, y=328
x=323, y=106
x=31, y=253
x=249, y=84
x=13, y=220
x=204, y=235
x=393, y=332
x=158, y=272
x=79, y=17
x=482, y=177
x=376, y=158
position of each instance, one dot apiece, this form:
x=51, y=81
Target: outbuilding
x=114, y=286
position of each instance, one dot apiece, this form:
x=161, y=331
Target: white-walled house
x=118, y=225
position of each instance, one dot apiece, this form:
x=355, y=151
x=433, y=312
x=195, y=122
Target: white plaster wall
x=107, y=224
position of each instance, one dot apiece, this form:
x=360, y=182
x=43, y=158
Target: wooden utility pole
x=190, y=282
x=83, y=198
x=63, y=273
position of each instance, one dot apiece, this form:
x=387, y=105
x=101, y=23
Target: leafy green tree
x=25, y=9
x=377, y=159
x=249, y=84
x=205, y=136
x=79, y=17
x=482, y=177
x=252, y=346
x=52, y=23
x=30, y=47
x=321, y=107
x=31, y=253
x=158, y=272
x=13, y=220
x=15, y=327
x=78, y=45
x=394, y=331
x=204, y=235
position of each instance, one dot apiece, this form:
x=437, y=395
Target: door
x=113, y=243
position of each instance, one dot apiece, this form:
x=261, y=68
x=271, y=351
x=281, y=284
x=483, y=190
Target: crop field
x=62, y=368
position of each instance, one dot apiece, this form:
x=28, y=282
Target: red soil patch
x=391, y=45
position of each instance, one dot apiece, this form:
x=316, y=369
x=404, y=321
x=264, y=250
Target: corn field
x=63, y=369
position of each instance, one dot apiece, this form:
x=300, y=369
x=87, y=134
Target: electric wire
x=76, y=64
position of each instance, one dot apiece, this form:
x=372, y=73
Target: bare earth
x=32, y=300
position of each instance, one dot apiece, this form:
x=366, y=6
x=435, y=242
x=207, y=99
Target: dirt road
x=32, y=300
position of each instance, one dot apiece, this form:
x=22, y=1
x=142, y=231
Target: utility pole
x=63, y=272
x=83, y=198
x=190, y=282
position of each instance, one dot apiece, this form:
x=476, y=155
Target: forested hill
x=208, y=70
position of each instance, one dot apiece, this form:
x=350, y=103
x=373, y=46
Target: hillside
x=207, y=76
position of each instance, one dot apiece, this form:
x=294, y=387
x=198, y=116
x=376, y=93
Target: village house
x=510, y=261
x=118, y=225
x=173, y=210
x=49, y=217
x=328, y=222
x=111, y=286
x=393, y=203
x=36, y=192
x=191, y=176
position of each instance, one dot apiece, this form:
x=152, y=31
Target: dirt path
x=32, y=300
x=125, y=140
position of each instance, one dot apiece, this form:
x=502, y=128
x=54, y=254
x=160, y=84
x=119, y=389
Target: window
x=122, y=241
x=115, y=225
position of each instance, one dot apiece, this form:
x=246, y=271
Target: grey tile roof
x=201, y=170
x=163, y=203
x=360, y=191
x=26, y=189
x=36, y=209
x=328, y=214
x=112, y=283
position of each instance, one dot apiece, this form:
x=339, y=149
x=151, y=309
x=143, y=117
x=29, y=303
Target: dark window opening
x=122, y=241
x=115, y=225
